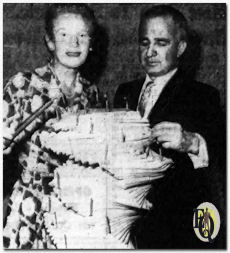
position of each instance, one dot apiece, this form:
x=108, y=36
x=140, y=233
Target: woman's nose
x=151, y=50
x=74, y=40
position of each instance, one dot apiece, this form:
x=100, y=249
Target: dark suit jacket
x=196, y=107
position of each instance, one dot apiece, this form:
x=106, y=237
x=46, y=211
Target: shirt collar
x=160, y=80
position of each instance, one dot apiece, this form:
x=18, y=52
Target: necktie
x=145, y=98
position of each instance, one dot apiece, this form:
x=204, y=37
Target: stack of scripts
x=129, y=194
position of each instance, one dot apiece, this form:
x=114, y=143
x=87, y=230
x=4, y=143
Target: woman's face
x=71, y=41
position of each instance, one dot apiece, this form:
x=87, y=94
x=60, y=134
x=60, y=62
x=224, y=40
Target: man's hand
x=172, y=136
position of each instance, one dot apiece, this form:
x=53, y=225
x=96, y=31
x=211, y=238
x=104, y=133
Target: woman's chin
x=72, y=64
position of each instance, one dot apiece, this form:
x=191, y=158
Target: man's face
x=159, y=46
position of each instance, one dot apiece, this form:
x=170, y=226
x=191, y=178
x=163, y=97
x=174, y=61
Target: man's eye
x=63, y=34
x=144, y=43
x=162, y=43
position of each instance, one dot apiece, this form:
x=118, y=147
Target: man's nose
x=151, y=50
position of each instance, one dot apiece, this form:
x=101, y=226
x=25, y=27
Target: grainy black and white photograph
x=114, y=126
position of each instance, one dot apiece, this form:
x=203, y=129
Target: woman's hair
x=75, y=8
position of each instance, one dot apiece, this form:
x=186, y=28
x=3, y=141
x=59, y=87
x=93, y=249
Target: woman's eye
x=82, y=35
x=63, y=34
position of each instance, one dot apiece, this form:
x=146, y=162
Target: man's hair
x=54, y=10
x=165, y=11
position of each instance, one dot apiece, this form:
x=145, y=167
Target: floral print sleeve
x=22, y=99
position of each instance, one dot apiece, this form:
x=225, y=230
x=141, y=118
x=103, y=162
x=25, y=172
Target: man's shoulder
x=190, y=85
x=130, y=91
x=131, y=84
x=203, y=89
x=131, y=88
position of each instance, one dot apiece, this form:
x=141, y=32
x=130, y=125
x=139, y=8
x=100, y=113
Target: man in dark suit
x=185, y=117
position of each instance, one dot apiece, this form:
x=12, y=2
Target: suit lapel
x=167, y=95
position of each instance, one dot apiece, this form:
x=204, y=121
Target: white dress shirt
x=201, y=159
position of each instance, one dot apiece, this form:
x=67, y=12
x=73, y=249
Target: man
x=185, y=116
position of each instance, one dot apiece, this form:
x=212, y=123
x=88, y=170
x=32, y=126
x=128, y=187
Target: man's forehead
x=161, y=25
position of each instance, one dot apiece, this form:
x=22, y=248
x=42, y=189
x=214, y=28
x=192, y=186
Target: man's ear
x=50, y=44
x=181, y=48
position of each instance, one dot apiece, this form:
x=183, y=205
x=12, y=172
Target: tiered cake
x=99, y=188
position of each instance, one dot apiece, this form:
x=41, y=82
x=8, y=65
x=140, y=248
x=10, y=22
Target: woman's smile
x=73, y=54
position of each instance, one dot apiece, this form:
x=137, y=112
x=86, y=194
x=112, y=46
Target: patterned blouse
x=30, y=99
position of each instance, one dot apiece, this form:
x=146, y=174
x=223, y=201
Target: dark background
x=24, y=49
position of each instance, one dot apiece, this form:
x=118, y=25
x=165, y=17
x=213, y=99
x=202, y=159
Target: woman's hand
x=7, y=144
